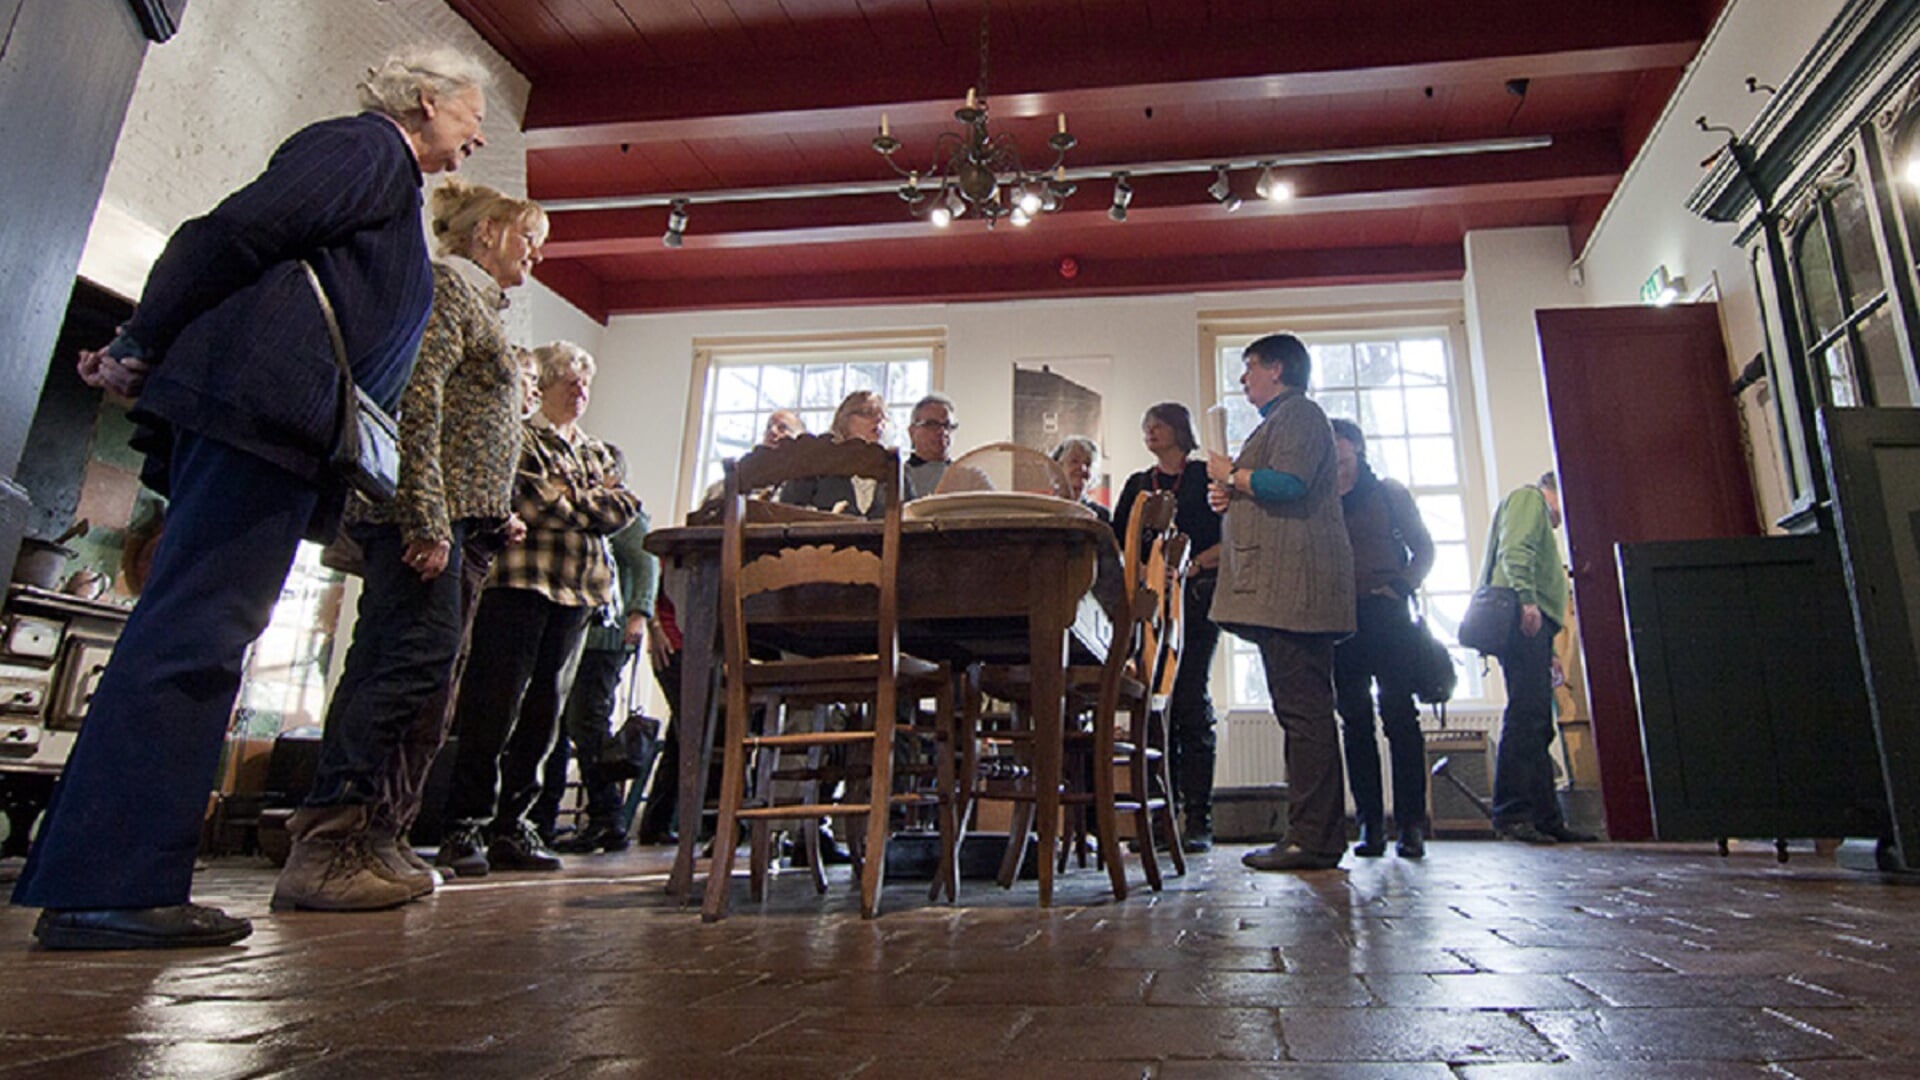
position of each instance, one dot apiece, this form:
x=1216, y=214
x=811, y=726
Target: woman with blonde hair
x=861, y=415
x=426, y=554
x=236, y=388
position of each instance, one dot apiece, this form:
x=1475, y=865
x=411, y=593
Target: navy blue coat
x=242, y=352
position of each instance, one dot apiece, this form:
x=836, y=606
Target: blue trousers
x=124, y=824
x=1523, y=791
x=405, y=637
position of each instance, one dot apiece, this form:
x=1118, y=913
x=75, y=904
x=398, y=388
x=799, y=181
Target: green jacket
x=1522, y=554
x=638, y=574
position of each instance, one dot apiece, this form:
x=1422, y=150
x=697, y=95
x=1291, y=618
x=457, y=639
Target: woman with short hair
x=530, y=624
x=459, y=444
x=236, y=391
x=1079, y=457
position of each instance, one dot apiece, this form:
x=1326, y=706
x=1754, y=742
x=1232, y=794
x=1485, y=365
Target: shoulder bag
x=366, y=445
x=1493, y=615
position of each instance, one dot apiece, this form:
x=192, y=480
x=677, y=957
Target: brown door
x=1647, y=443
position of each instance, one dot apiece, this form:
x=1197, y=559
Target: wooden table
x=1043, y=591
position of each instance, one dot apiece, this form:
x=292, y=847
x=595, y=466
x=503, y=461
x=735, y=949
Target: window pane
x=1429, y=411
x=1839, y=370
x=1444, y=515
x=1249, y=677
x=1433, y=464
x=1853, y=235
x=1377, y=363
x=1822, y=299
x=867, y=377
x=820, y=387
x=779, y=386
x=1886, y=367
x=1228, y=365
x=1339, y=406
x=907, y=382
x=739, y=389
x=1332, y=365
x=1382, y=413
x=734, y=434
x=1451, y=571
x=1389, y=459
x=1242, y=418
x=1423, y=362
x=817, y=421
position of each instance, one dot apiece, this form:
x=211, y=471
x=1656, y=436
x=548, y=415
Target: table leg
x=698, y=627
x=1049, y=616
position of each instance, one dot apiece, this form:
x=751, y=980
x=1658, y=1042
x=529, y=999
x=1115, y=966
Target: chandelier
x=977, y=171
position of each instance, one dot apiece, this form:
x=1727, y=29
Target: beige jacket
x=1288, y=566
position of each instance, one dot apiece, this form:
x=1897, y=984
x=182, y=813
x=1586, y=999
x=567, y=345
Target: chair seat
x=807, y=674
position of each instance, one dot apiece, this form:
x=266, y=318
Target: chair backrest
x=1171, y=632
x=1143, y=569
x=1004, y=466
x=811, y=555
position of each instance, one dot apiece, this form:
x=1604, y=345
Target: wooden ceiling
x=644, y=100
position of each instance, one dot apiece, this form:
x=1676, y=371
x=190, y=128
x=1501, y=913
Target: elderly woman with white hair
x=426, y=552
x=1079, y=458
x=530, y=625
x=231, y=366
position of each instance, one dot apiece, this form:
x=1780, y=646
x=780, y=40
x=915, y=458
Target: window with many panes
x=1398, y=386
x=1846, y=309
x=746, y=381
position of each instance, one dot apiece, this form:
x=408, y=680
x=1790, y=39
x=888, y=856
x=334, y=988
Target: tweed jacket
x=459, y=417
x=562, y=494
x=1288, y=566
x=240, y=348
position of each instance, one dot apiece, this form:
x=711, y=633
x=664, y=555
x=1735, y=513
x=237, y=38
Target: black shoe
x=181, y=926
x=519, y=848
x=1525, y=832
x=1568, y=835
x=1197, y=843
x=1412, y=843
x=832, y=851
x=463, y=851
x=605, y=837
x=1373, y=841
x=1287, y=857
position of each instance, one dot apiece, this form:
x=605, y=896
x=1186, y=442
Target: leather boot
x=411, y=872
x=1373, y=840
x=332, y=866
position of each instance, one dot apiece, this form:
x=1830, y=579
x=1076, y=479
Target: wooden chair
x=1004, y=466
x=851, y=570
x=1126, y=680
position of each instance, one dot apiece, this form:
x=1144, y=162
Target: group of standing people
x=495, y=539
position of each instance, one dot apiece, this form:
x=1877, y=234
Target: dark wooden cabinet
x=1752, y=704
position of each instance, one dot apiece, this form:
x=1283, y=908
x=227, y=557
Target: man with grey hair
x=930, y=430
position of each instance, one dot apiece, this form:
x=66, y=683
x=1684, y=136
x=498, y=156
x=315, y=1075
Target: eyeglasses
x=942, y=425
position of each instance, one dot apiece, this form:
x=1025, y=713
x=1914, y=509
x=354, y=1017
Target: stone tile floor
x=1485, y=961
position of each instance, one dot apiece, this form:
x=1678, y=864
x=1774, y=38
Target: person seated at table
x=862, y=415
x=1080, y=457
x=930, y=431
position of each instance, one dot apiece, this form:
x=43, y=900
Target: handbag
x=1434, y=676
x=366, y=444
x=1493, y=615
x=637, y=743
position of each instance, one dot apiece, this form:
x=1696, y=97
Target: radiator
x=1252, y=752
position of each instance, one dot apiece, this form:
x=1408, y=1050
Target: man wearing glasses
x=931, y=433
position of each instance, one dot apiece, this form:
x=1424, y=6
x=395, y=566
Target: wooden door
x=1647, y=444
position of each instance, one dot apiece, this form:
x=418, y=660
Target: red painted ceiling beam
x=1524, y=38
x=1095, y=277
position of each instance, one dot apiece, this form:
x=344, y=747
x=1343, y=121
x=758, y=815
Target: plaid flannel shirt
x=561, y=493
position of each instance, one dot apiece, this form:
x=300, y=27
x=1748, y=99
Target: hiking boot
x=332, y=866
x=463, y=851
x=412, y=872
x=520, y=848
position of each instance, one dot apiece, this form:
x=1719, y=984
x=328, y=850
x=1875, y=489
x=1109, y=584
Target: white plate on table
x=970, y=504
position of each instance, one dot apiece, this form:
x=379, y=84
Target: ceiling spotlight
x=1270, y=189
x=1029, y=200
x=676, y=224
x=1222, y=189
x=1913, y=169
x=940, y=216
x=1020, y=217
x=1122, y=195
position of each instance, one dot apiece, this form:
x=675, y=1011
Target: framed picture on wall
x=1054, y=397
